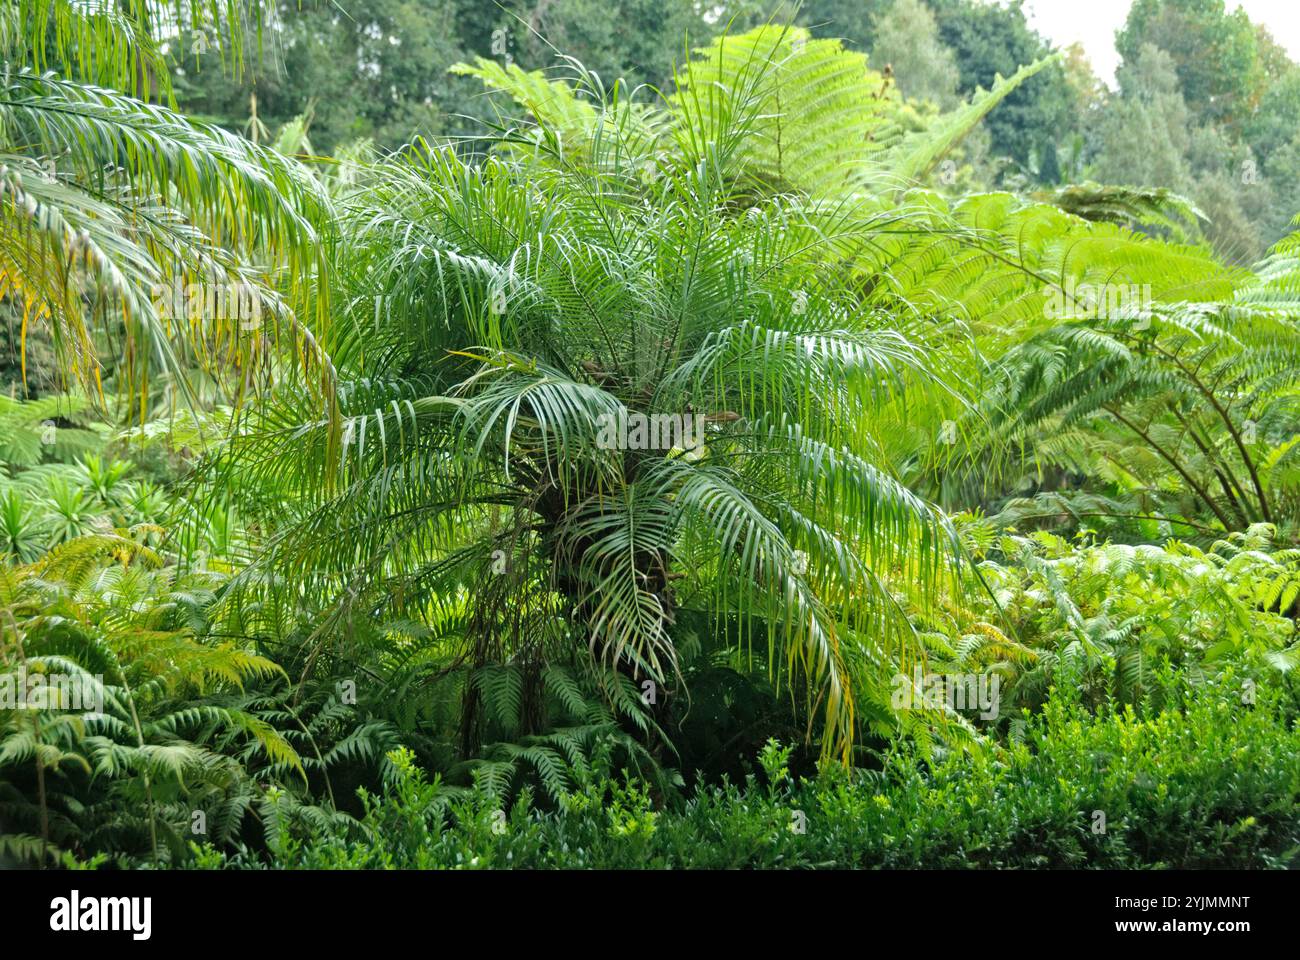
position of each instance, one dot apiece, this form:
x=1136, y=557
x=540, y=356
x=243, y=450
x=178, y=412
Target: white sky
x=1094, y=23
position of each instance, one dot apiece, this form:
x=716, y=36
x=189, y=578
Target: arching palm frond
x=122, y=221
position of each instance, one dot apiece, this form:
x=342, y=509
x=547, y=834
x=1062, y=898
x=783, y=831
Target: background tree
x=639, y=40
x=1238, y=167
x=853, y=21
x=1037, y=120
x=1143, y=132
x=370, y=69
x=378, y=69
x=907, y=40
x=1215, y=53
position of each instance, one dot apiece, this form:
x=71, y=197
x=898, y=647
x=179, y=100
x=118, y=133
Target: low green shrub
x=1209, y=782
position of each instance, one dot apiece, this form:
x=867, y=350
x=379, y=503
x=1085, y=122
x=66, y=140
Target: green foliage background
x=359, y=584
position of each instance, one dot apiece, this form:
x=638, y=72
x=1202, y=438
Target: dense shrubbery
x=1212, y=783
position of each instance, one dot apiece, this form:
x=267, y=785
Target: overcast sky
x=1094, y=22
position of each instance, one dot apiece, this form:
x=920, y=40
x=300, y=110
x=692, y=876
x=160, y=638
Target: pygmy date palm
x=589, y=384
